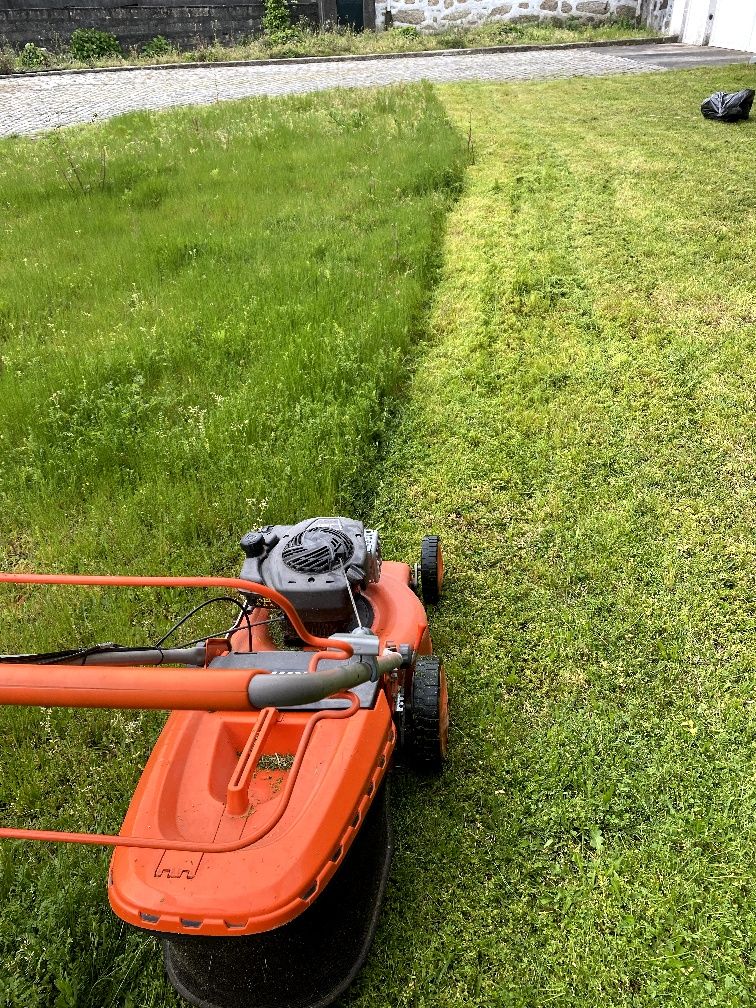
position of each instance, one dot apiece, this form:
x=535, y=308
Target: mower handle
x=294, y=690
x=112, y=683
x=141, y=687
x=235, y=584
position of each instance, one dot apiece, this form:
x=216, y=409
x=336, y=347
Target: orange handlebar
x=137, y=686
x=235, y=584
x=127, y=687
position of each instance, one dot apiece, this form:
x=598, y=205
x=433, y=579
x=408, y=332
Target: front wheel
x=427, y=732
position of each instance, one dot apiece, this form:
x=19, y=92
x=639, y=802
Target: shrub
x=32, y=56
x=452, y=38
x=213, y=53
x=89, y=44
x=157, y=46
x=276, y=17
x=276, y=24
x=7, y=60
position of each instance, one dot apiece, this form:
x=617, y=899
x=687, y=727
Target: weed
x=32, y=56
x=157, y=46
x=282, y=38
x=276, y=24
x=406, y=32
x=7, y=60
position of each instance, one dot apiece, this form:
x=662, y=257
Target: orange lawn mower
x=257, y=842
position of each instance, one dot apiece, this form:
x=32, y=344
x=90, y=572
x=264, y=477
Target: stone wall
x=435, y=15
x=48, y=23
x=657, y=14
x=185, y=25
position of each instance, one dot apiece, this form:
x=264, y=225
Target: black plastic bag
x=728, y=107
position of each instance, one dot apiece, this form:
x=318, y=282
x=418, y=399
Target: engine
x=320, y=565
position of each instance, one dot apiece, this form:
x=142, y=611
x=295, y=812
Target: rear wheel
x=431, y=569
x=427, y=730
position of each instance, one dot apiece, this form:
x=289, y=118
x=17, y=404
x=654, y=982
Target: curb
x=361, y=57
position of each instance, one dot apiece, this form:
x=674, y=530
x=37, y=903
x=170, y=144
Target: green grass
x=304, y=41
x=580, y=430
x=205, y=318
x=582, y=435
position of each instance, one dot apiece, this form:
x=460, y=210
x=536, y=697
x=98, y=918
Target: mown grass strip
x=582, y=435
x=205, y=319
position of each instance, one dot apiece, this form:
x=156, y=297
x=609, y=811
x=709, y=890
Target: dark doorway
x=350, y=12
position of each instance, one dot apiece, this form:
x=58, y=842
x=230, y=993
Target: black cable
x=243, y=614
x=270, y=619
x=62, y=657
x=238, y=623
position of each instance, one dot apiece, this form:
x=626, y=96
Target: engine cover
x=311, y=562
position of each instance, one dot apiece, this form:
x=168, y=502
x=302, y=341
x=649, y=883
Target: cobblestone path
x=33, y=104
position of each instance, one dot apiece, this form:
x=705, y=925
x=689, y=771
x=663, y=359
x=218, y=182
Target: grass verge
x=205, y=317
x=300, y=40
x=582, y=435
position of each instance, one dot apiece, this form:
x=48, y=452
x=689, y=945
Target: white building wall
x=734, y=25
x=728, y=23
x=696, y=27
x=436, y=15
x=693, y=21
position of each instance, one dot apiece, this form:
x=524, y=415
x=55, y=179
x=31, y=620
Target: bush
x=89, y=44
x=157, y=46
x=32, y=56
x=276, y=24
x=7, y=60
x=213, y=53
x=452, y=38
x=276, y=17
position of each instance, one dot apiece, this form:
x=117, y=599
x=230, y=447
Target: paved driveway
x=33, y=104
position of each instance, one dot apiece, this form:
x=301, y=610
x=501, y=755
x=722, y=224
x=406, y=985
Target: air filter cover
x=318, y=549
x=311, y=562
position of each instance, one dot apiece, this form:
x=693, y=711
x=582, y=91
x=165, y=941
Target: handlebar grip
x=273, y=690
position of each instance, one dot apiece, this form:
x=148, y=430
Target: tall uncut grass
x=205, y=318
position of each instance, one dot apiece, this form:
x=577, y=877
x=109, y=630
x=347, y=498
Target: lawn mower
x=257, y=843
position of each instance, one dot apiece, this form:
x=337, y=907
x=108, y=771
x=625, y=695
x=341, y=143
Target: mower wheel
x=427, y=731
x=431, y=569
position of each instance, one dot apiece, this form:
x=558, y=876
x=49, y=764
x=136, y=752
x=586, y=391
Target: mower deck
x=307, y=963
x=271, y=881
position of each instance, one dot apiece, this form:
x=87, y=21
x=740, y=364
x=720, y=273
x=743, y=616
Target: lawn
x=577, y=421
x=205, y=319
x=582, y=434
